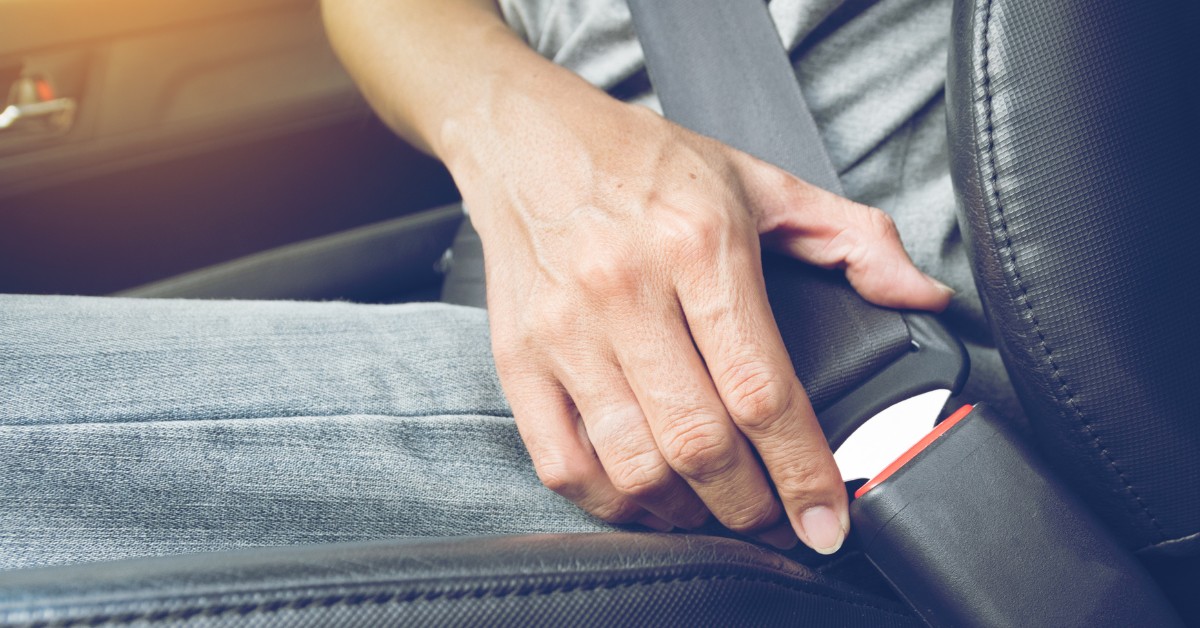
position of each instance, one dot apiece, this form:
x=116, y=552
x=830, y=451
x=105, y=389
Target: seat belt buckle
x=898, y=405
x=913, y=451
x=972, y=528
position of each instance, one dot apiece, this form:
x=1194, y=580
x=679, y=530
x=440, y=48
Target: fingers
x=625, y=445
x=564, y=462
x=746, y=359
x=827, y=230
x=693, y=431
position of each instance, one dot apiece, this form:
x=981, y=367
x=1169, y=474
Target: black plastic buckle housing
x=936, y=361
x=976, y=530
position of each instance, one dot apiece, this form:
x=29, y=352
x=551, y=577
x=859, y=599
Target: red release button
x=920, y=446
x=44, y=90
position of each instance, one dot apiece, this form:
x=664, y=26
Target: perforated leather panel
x=1076, y=169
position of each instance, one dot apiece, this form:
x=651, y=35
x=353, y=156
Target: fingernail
x=781, y=536
x=655, y=523
x=822, y=529
x=941, y=286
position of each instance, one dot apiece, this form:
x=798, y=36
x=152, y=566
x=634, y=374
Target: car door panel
x=203, y=132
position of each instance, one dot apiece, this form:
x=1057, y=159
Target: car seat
x=1072, y=131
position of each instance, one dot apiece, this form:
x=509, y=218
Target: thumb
x=826, y=230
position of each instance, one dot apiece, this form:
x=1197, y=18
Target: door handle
x=56, y=114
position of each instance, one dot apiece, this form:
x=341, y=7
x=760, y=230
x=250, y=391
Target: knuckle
x=756, y=396
x=616, y=510
x=858, y=244
x=751, y=518
x=697, y=450
x=880, y=224
x=805, y=479
x=606, y=274
x=696, y=234
x=799, y=192
x=559, y=475
x=643, y=477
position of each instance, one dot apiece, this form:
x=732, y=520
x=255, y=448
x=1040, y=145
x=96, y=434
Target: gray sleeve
x=594, y=39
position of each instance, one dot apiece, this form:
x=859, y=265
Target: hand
x=630, y=324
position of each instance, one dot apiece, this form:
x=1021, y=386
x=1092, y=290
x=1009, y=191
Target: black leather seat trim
x=544, y=579
x=1069, y=132
x=373, y=263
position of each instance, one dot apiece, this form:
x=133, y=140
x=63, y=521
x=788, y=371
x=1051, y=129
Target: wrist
x=515, y=108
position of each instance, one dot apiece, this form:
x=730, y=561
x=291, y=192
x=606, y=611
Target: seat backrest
x=1074, y=160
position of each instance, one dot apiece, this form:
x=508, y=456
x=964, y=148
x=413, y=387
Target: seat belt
x=969, y=525
x=720, y=69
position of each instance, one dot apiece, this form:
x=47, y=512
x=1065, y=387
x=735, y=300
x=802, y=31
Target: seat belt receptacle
x=972, y=528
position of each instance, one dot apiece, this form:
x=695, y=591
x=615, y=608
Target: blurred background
x=141, y=140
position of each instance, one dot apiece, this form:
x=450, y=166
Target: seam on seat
x=348, y=599
x=1067, y=396
x=1168, y=545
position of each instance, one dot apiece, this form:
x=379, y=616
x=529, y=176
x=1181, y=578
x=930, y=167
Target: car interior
x=218, y=150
